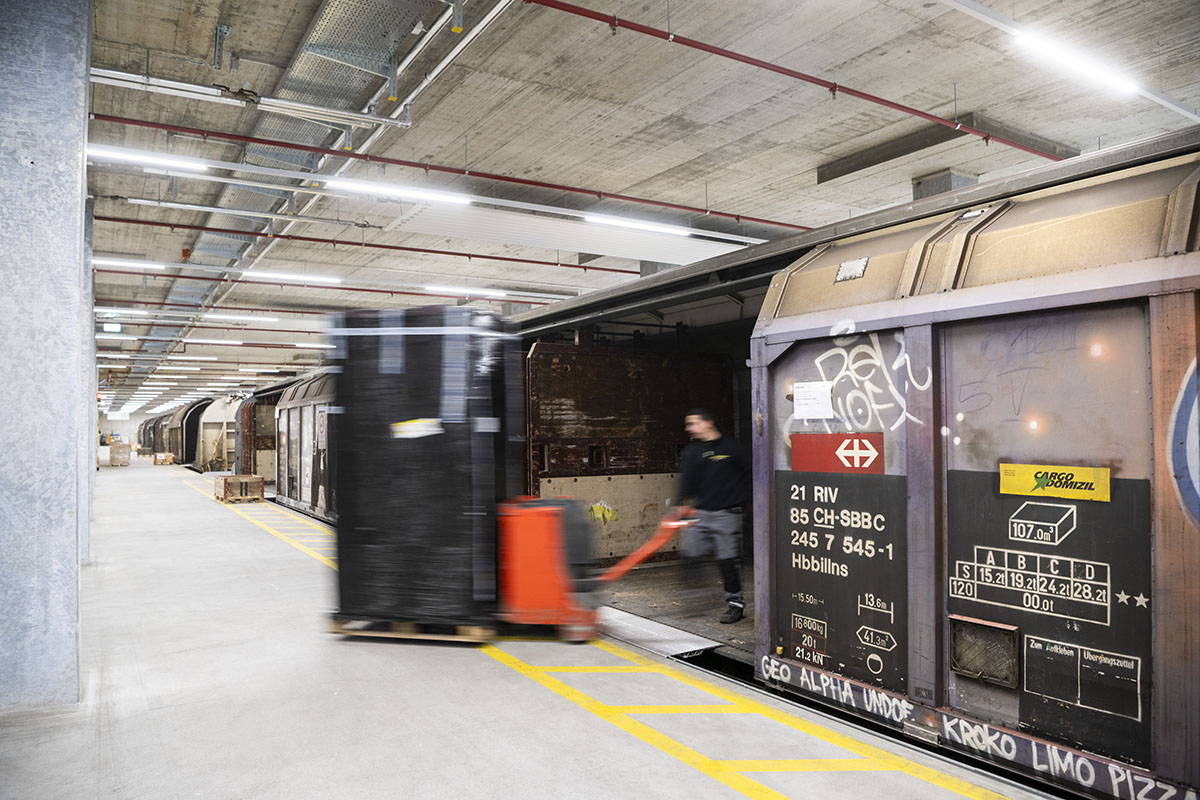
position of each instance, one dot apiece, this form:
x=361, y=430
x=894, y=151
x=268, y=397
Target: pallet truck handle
x=668, y=526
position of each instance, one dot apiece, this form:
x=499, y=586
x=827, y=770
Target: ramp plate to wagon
x=649, y=635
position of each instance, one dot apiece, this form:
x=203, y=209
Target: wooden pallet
x=250, y=499
x=412, y=630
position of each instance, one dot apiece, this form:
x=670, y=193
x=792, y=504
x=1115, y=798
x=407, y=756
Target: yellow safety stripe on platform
x=731, y=772
x=326, y=560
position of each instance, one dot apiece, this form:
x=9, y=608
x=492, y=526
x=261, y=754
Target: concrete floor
x=207, y=673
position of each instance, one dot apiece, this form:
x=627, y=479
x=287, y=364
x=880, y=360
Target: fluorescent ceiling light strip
x=128, y=311
x=245, y=369
x=466, y=290
x=288, y=276
x=653, y=227
x=131, y=263
x=101, y=152
x=315, y=346
x=397, y=191
x=1075, y=62
x=240, y=318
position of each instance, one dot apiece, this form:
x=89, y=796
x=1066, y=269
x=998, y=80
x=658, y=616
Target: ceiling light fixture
x=456, y=290
x=289, y=276
x=127, y=311
x=112, y=327
x=126, y=262
x=246, y=369
x=315, y=346
x=240, y=318
x=652, y=227
x=100, y=152
x=1075, y=62
x=398, y=192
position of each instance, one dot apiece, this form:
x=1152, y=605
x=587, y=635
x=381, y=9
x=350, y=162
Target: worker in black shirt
x=714, y=475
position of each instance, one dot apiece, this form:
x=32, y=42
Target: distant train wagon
x=256, y=434
x=304, y=464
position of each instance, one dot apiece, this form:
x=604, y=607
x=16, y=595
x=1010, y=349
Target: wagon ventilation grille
x=986, y=651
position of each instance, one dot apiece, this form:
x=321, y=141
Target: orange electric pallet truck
x=545, y=552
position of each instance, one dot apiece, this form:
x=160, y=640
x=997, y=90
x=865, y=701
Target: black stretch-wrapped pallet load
x=431, y=438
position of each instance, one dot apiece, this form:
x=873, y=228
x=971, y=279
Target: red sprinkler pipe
x=614, y=22
x=351, y=243
x=427, y=167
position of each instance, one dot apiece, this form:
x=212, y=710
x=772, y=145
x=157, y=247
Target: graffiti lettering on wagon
x=870, y=387
x=1015, y=359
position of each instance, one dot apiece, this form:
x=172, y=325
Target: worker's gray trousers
x=717, y=533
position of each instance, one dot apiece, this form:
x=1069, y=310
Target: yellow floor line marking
x=809, y=765
x=282, y=537
x=598, y=669
x=710, y=709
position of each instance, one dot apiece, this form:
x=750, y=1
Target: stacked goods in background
x=430, y=439
x=118, y=454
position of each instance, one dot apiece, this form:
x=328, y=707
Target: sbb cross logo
x=857, y=453
x=848, y=453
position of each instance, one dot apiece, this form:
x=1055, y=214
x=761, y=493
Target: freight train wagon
x=255, y=453
x=304, y=459
x=216, y=435
x=183, y=429
x=976, y=497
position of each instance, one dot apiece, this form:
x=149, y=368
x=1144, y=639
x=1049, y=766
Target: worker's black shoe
x=732, y=614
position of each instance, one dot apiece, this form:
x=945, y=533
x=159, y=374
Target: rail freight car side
x=976, y=480
x=304, y=463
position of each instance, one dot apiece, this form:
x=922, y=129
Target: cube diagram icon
x=1042, y=523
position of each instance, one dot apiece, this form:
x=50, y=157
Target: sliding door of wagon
x=1047, y=447
x=840, y=571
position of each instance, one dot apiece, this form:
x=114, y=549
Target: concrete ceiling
x=544, y=95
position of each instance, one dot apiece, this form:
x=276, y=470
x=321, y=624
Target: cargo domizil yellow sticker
x=1041, y=480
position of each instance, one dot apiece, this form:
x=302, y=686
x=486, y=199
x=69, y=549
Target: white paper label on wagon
x=813, y=400
x=851, y=270
x=417, y=428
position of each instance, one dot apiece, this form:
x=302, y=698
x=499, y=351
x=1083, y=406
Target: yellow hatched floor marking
x=329, y=562
x=731, y=772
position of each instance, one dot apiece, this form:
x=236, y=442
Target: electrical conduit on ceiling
x=615, y=22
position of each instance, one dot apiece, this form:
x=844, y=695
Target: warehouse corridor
x=207, y=673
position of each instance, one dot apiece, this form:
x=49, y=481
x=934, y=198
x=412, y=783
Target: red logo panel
x=856, y=453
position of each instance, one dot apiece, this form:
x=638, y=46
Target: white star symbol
x=1122, y=598
x=1142, y=601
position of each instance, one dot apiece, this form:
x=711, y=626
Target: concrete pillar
x=941, y=181
x=48, y=345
